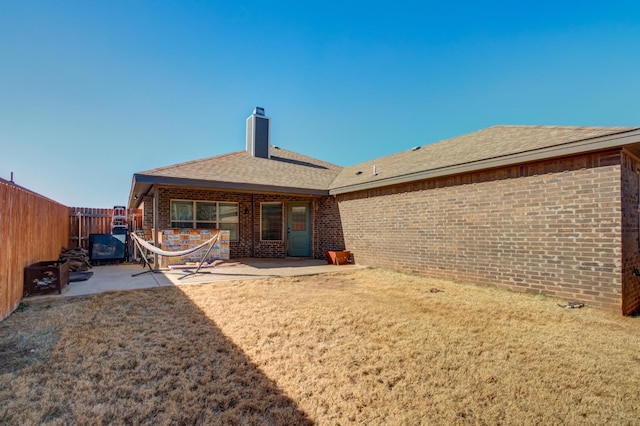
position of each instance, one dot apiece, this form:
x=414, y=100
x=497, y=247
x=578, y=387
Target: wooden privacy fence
x=33, y=228
x=84, y=221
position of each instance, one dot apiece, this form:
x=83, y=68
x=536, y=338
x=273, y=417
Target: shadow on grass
x=147, y=356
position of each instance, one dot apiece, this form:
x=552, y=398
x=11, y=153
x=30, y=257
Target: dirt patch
x=359, y=347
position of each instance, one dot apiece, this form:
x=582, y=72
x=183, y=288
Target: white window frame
x=214, y=224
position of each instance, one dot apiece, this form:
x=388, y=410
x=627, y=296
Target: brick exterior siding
x=147, y=217
x=328, y=226
x=630, y=244
x=552, y=227
x=567, y=227
x=249, y=243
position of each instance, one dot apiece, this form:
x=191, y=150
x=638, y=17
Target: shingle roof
x=493, y=142
x=284, y=169
x=288, y=171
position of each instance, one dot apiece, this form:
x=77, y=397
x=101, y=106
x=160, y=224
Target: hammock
x=153, y=249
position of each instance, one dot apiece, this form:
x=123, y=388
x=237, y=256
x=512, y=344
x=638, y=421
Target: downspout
x=253, y=233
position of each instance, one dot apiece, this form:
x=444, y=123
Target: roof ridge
x=302, y=155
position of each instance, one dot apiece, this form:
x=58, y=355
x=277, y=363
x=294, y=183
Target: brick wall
x=249, y=243
x=630, y=243
x=552, y=227
x=147, y=217
x=329, y=226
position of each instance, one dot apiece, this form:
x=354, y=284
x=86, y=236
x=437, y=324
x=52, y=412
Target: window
x=181, y=214
x=271, y=221
x=228, y=218
x=205, y=215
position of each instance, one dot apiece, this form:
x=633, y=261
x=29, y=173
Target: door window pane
x=298, y=218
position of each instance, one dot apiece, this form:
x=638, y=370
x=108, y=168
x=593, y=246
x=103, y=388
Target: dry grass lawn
x=361, y=347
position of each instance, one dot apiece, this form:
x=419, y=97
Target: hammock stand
x=143, y=246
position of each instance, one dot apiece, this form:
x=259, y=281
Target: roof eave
x=237, y=186
x=577, y=147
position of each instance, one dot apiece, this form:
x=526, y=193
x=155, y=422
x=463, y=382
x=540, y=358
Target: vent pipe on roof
x=259, y=134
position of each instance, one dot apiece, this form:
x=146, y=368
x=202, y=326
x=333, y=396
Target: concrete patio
x=120, y=276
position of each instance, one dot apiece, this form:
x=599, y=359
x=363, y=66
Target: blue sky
x=92, y=92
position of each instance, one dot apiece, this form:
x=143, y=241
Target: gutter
x=570, y=148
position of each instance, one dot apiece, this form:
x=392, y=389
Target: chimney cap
x=258, y=111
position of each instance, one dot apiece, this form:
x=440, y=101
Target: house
x=542, y=209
